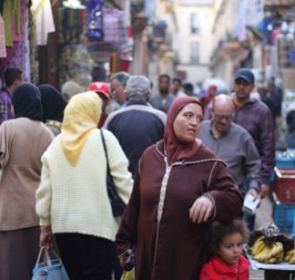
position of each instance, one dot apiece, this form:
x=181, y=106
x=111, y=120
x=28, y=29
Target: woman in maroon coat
x=181, y=187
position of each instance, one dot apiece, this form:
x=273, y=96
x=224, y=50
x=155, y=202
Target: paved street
x=256, y=275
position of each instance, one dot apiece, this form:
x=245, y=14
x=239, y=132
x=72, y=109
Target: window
x=194, y=53
x=195, y=23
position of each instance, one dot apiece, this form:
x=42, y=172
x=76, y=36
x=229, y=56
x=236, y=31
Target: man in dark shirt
x=137, y=125
x=256, y=118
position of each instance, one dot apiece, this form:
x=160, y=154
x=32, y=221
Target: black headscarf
x=53, y=103
x=26, y=100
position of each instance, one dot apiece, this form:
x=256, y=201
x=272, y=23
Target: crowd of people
x=182, y=164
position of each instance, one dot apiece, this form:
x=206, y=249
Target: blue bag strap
x=44, y=251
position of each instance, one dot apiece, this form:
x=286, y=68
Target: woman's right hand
x=201, y=210
x=46, y=237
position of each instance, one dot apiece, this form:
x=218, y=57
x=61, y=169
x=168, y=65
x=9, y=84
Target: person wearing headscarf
x=53, y=105
x=22, y=143
x=180, y=188
x=72, y=200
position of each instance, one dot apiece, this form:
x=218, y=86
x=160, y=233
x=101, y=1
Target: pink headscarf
x=175, y=149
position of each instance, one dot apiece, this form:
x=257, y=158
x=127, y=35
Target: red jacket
x=216, y=269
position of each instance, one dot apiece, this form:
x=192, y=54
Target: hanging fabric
x=11, y=16
x=2, y=38
x=113, y=25
x=19, y=57
x=95, y=21
x=42, y=13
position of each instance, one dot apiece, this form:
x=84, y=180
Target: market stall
x=284, y=192
x=273, y=252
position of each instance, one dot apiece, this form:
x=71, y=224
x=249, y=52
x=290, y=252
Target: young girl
x=227, y=261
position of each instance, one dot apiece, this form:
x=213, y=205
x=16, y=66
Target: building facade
x=194, y=39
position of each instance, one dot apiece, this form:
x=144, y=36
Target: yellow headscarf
x=81, y=116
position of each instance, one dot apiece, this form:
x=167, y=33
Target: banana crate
x=284, y=186
x=284, y=217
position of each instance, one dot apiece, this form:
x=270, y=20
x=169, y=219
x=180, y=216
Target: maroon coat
x=156, y=221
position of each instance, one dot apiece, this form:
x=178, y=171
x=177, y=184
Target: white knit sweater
x=73, y=199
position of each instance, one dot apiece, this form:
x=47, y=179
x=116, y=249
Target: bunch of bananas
x=267, y=253
x=290, y=257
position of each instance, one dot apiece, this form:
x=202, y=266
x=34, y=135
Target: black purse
x=116, y=201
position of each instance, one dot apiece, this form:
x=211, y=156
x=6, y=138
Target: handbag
x=49, y=268
x=116, y=201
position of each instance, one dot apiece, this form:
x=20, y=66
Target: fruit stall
x=274, y=253
x=273, y=249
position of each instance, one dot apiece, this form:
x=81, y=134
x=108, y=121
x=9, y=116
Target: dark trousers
x=249, y=220
x=117, y=269
x=85, y=257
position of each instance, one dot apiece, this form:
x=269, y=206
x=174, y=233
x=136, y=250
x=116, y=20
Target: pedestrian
x=103, y=91
x=176, y=88
x=22, y=143
x=227, y=245
x=180, y=188
x=53, y=105
x=163, y=100
x=12, y=78
x=208, y=100
x=256, y=118
x=72, y=200
x=189, y=89
x=118, y=84
x=137, y=125
x=233, y=144
x=69, y=89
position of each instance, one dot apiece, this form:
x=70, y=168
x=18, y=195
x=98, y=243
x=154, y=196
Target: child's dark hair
x=221, y=230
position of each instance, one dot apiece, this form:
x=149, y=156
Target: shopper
x=180, y=187
x=22, y=143
x=72, y=200
x=53, y=105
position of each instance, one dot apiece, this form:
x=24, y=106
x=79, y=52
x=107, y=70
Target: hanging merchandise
x=241, y=20
x=42, y=13
x=21, y=56
x=126, y=48
x=11, y=16
x=73, y=4
x=17, y=43
x=2, y=38
x=95, y=21
x=113, y=25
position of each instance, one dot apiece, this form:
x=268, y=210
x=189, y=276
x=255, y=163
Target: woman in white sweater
x=72, y=199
